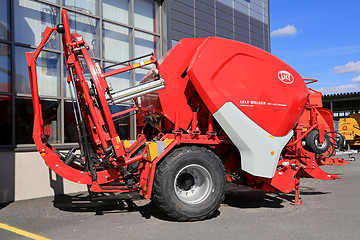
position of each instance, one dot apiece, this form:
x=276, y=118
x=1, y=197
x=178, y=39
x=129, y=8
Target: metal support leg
x=297, y=190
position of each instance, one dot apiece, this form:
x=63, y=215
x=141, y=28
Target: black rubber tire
x=313, y=145
x=340, y=140
x=166, y=188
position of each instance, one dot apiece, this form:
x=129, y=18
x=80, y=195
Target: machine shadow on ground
x=245, y=197
x=109, y=203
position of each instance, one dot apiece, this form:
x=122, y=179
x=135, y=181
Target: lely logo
x=285, y=77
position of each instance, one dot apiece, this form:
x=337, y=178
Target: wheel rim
x=193, y=184
x=321, y=145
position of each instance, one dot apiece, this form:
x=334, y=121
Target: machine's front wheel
x=313, y=143
x=189, y=184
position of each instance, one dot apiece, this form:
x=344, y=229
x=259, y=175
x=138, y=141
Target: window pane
x=51, y=116
x=145, y=12
x=22, y=83
x=116, y=42
x=145, y=44
x=5, y=74
x=70, y=130
x=140, y=74
x=47, y=66
x=31, y=19
x=119, y=81
x=85, y=6
x=226, y=2
x=24, y=118
x=122, y=124
x=5, y=120
x=117, y=10
x=87, y=27
x=5, y=20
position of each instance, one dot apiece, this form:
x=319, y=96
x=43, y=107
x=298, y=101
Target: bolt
x=57, y=165
x=106, y=177
x=81, y=172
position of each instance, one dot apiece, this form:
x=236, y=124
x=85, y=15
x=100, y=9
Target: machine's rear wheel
x=340, y=140
x=189, y=184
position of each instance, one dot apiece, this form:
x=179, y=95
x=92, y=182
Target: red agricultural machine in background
x=215, y=110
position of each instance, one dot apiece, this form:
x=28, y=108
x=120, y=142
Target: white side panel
x=260, y=151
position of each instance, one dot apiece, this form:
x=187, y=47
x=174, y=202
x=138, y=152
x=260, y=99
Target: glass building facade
x=116, y=30
x=242, y=20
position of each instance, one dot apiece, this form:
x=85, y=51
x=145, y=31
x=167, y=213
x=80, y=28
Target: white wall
x=25, y=175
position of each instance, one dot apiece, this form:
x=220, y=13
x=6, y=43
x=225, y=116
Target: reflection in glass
x=88, y=28
x=86, y=74
x=116, y=10
x=5, y=74
x=70, y=131
x=31, y=19
x=47, y=66
x=24, y=118
x=145, y=14
x=5, y=20
x=122, y=124
x=118, y=81
x=85, y=6
x=145, y=44
x=140, y=74
x=5, y=120
x=116, y=42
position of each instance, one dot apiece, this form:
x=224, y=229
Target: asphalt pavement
x=331, y=210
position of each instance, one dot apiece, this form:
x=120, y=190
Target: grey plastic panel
x=254, y=143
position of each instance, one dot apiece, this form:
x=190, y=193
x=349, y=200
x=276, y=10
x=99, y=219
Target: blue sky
x=320, y=39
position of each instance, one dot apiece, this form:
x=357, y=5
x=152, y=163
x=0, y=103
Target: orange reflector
x=42, y=154
x=272, y=153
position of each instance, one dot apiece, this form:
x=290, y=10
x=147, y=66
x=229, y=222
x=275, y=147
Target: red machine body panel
x=172, y=99
x=258, y=83
x=222, y=70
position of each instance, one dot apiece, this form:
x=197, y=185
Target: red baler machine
x=215, y=110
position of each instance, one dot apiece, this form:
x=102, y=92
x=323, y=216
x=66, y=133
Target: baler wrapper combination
x=214, y=111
